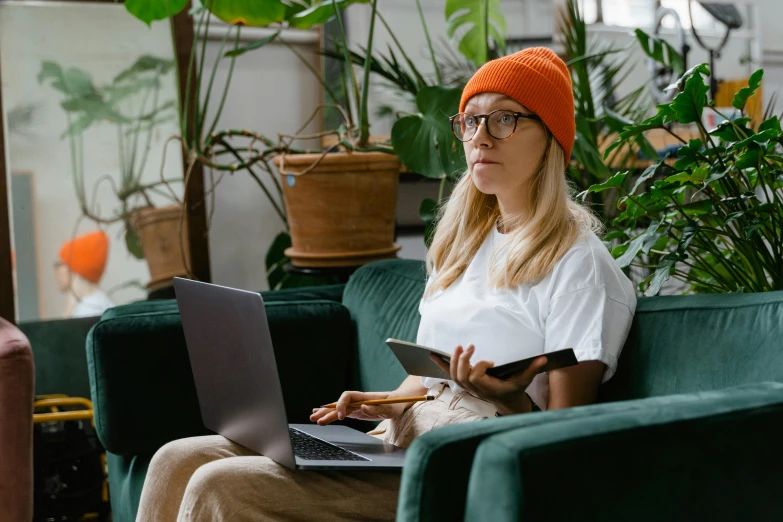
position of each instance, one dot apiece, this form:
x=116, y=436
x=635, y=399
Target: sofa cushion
x=60, y=362
x=383, y=298
x=683, y=344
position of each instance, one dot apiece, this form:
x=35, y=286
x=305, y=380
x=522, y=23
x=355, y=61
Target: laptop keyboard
x=310, y=448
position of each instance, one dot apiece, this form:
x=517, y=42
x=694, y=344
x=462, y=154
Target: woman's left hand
x=506, y=394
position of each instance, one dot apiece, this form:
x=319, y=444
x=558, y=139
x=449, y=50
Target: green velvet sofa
x=688, y=428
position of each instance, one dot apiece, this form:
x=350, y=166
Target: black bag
x=68, y=473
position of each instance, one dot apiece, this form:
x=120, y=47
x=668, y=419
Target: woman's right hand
x=324, y=416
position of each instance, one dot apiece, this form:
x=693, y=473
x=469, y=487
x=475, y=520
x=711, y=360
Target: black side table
x=341, y=274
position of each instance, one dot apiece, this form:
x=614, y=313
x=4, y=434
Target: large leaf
x=611, y=183
x=474, y=22
x=642, y=243
x=754, y=82
x=689, y=104
x=256, y=13
x=662, y=273
x=660, y=51
x=72, y=82
x=424, y=142
x=150, y=10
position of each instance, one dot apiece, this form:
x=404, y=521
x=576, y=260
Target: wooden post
x=7, y=298
x=196, y=208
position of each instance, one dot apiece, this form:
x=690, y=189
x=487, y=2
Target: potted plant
x=151, y=233
x=713, y=217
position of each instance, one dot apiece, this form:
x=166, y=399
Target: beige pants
x=195, y=480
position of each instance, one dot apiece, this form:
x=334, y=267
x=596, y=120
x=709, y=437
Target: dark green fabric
x=383, y=299
x=700, y=342
x=712, y=457
x=126, y=479
x=439, y=463
x=142, y=385
x=328, y=293
x=60, y=361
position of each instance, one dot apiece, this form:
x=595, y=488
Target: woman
x=79, y=270
x=516, y=270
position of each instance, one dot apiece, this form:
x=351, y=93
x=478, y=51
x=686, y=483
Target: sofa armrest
x=712, y=458
x=142, y=384
x=443, y=463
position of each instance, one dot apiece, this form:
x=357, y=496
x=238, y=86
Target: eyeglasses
x=500, y=124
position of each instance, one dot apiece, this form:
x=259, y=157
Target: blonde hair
x=555, y=223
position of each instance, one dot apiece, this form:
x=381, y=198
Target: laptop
x=239, y=392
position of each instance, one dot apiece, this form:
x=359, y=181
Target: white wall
x=271, y=91
x=103, y=39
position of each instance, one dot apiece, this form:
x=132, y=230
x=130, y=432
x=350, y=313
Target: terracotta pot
x=340, y=213
x=159, y=231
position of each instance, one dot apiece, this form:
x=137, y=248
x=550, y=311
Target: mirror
x=90, y=99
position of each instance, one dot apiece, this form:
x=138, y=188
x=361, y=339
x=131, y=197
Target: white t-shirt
x=585, y=303
x=92, y=305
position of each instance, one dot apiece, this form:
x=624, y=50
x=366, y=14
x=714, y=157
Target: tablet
x=416, y=361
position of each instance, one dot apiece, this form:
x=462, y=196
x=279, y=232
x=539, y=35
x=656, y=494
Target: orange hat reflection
x=86, y=255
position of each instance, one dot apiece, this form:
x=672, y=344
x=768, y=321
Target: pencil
x=384, y=401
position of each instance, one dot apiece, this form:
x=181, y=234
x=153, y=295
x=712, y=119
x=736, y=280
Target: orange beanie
x=538, y=79
x=86, y=255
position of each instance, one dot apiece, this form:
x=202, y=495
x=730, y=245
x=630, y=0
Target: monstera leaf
x=424, y=142
x=474, y=22
x=150, y=10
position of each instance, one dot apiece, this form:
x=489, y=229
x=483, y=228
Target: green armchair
x=686, y=429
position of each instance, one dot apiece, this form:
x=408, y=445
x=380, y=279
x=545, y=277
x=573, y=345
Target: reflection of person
x=79, y=270
x=516, y=270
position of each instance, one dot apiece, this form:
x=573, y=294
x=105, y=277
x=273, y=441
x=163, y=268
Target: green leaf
x=728, y=130
x=689, y=104
x=467, y=21
x=133, y=242
x=613, y=182
x=663, y=272
x=72, y=82
x=660, y=51
x=698, y=175
x=665, y=115
x=747, y=159
x=145, y=64
x=255, y=13
x=81, y=124
x=150, y=10
x=424, y=142
x=754, y=82
x=688, y=233
x=257, y=44
x=653, y=170
x=771, y=124
x=752, y=227
x=317, y=14
x=643, y=242
x=97, y=109
x=698, y=208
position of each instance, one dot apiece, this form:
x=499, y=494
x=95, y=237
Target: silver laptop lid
x=234, y=368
